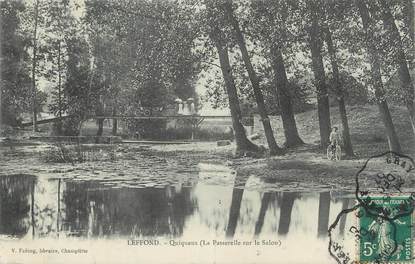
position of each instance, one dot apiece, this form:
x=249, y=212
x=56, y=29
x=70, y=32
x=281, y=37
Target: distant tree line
x=102, y=57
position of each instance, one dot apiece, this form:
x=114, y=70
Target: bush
x=76, y=153
x=69, y=126
x=214, y=134
x=7, y=131
x=203, y=134
x=63, y=153
x=181, y=133
x=150, y=129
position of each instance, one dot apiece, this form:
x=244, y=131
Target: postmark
x=381, y=229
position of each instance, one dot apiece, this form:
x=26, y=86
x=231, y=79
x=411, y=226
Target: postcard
x=207, y=131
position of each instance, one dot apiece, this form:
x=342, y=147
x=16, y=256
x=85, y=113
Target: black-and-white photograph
x=207, y=131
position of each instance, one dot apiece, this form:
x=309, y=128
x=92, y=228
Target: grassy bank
x=308, y=163
x=366, y=128
x=305, y=166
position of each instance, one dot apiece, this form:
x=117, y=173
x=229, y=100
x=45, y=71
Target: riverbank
x=304, y=168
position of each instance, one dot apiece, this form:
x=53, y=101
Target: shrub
x=76, y=153
x=151, y=129
x=7, y=131
x=181, y=133
x=69, y=126
x=203, y=134
x=214, y=134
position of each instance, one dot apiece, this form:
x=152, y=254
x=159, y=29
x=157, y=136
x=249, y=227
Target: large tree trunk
x=393, y=140
x=348, y=148
x=100, y=121
x=59, y=90
x=272, y=144
x=34, y=64
x=404, y=75
x=243, y=144
x=339, y=93
x=100, y=130
x=292, y=138
x=323, y=107
x=59, y=82
x=1, y=88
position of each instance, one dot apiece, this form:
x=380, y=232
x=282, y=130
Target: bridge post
x=192, y=121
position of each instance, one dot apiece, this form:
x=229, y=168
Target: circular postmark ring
x=364, y=208
x=387, y=183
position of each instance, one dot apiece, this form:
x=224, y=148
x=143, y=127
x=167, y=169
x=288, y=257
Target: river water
x=209, y=202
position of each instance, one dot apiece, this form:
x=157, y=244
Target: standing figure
x=179, y=106
x=191, y=106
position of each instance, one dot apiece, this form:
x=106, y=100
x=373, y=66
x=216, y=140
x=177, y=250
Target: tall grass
x=61, y=152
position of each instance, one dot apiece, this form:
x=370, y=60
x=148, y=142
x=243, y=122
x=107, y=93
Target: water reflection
x=95, y=212
x=16, y=201
x=235, y=208
x=323, y=213
x=40, y=207
x=346, y=203
x=265, y=200
x=286, y=209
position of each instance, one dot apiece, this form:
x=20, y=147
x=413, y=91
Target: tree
x=59, y=26
x=292, y=138
x=409, y=19
x=315, y=43
x=274, y=36
x=148, y=59
x=243, y=144
x=15, y=84
x=338, y=88
x=399, y=52
x=34, y=64
x=78, y=84
x=272, y=144
x=377, y=83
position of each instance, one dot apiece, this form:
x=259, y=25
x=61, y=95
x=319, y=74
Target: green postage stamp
x=386, y=230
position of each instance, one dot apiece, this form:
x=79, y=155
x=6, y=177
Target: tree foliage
x=15, y=79
x=103, y=57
